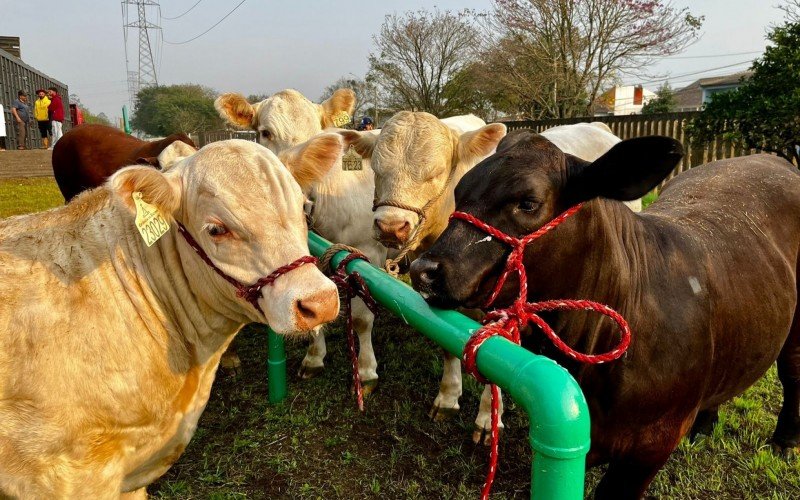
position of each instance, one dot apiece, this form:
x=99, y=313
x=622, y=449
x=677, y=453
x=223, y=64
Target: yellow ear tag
x=149, y=221
x=341, y=119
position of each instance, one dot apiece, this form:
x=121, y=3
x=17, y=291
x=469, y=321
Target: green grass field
x=316, y=445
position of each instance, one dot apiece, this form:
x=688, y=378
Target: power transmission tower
x=145, y=74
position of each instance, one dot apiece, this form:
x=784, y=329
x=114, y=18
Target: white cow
x=108, y=347
x=418, y=160
x=341, y=200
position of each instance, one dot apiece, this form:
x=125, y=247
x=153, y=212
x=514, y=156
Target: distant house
x=622, y=100
x=694, y=96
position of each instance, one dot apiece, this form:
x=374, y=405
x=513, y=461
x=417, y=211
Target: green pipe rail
x=559, y=416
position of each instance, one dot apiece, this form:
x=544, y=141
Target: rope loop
x=509, y=322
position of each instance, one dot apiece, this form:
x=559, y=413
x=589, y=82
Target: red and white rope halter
x=509, y=322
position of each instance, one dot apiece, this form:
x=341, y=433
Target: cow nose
x=316, y=309
x=424, y=274
x=393, y=230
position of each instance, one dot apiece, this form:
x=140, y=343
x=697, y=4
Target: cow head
x=527, y=183
x=417, y=160
x=287, y=118
x=244, y=208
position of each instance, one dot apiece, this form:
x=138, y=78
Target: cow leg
x=787, y=433
x=363, y=320
x=230, y=363
x=483, y=423
x=313, y=362
x=704, y=423
x=628, y=479
x=446, y=403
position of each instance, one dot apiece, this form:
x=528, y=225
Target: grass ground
x=316, y=445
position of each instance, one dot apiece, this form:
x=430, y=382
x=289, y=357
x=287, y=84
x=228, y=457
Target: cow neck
x=164, y=282
x=595, y=257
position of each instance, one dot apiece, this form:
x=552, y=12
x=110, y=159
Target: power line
x=693, y=73
x=176, y=17
x=715, y=55
x=209, y=29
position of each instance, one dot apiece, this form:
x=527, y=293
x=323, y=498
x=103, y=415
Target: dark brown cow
x=87, y=155
x=706, y=276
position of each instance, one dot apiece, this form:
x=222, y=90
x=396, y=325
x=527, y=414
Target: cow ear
x=234, y=109
x=362, y=142
x=174, y=153
x=158, y=189
x=310, y=161
x=482, y=142
x=334, y=109
x=629, y=170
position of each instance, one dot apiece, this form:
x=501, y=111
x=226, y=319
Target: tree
x=100, y=119
x=763, y=112
x=418, y=55
x=663, y=102
x=792, y=10
x=166, y=110
x=556, y=56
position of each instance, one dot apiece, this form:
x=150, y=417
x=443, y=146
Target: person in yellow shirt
x=42, y=116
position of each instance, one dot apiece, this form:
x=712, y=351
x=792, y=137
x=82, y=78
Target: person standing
x=56, y=109
x=42, y=116
x=2, y=128
x=21, y=111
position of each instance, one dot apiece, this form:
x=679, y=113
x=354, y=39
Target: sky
x=269, y=45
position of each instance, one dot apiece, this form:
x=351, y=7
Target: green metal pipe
x=276, y=368
x=559, y=416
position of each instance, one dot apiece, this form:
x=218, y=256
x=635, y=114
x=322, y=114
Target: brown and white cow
x=108, y=347
x=88, y=155
x=418, y=160
x=341, y=199
x=706, y=277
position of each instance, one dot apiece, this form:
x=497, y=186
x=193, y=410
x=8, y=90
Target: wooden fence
x=668, y=124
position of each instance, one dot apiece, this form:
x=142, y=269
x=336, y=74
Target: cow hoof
x=369, y=386
x=438, y=414
x=786, y=452
x=307, y=372
x=484, y=436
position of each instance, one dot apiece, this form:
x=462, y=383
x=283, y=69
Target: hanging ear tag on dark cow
x=352, y=160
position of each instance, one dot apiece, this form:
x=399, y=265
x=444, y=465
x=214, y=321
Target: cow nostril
x=424, y=272
x=306, y=311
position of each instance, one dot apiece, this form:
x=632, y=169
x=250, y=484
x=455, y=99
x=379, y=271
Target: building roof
x=691, y=96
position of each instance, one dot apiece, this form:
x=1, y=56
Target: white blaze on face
x=244, y=208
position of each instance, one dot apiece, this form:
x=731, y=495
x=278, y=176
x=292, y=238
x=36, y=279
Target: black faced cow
x=706, y=277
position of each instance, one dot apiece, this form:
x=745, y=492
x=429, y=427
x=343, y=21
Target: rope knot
x=350, y=285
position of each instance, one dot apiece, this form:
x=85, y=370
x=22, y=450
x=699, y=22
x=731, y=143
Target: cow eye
x=528, y=205
x=216, y=230
x=266, y=134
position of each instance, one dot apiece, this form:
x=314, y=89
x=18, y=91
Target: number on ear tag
x=352, y=160
x=341, y=119
x=149, y=221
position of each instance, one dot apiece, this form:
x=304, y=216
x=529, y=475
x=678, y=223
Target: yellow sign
x=149, y=221
x=341, y=119
x=352, y=160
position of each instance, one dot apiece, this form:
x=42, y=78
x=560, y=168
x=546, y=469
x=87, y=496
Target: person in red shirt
x=56, y=110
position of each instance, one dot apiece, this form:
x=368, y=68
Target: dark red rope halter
x=350, y=286
x=250, y=293
x=509, y=322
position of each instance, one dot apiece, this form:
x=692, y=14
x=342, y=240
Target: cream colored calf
x=108, y=347
x=418, y=159
x=341, y=199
